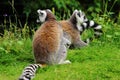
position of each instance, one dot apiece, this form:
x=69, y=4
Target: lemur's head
x=44, y=15
x=77, y=18
x=80, y=16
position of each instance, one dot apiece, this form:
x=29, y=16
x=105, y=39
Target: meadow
x=100, y=60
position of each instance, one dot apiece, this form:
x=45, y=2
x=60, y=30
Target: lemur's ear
x=38, y=11
x=75, y=11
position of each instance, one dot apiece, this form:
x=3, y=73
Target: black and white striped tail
x=29, y=72
x=91, y=24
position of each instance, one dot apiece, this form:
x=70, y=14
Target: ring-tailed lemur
x=76, y=25
x=49, y=45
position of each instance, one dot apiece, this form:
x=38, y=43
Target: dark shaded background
x=25, y=10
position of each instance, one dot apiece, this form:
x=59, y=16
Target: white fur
x=37, y=20
x=49, y=10
x=98, y=27
x=79, y=19
x=98, y=33
x=85, y=25
x=85, y=19
x=42, y=16
x=65, y=62
x=87, y=41
x=75, y=11
x=91, y=23
x=79, y=27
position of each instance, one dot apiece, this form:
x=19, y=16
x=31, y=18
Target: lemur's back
x=46, y=40
x=67, y=27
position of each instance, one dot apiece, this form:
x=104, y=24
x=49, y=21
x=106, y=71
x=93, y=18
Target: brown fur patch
x=67, y=26
x=46, y=40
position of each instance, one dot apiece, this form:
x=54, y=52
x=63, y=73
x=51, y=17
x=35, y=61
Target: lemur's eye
x=78, y=14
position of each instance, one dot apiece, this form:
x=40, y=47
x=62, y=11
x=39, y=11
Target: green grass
x=98, y=61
